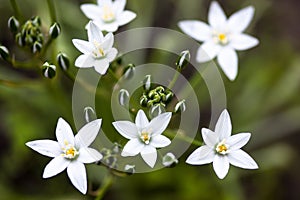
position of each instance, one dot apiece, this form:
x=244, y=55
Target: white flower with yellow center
x=222, y=37
x=108, y=14
x=222, y=149
x=70, y=152
x=144, y=136
x=97, y=51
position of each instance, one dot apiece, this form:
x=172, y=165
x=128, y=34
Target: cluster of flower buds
x=30, y=34
x=158, y=95
x=110, y=156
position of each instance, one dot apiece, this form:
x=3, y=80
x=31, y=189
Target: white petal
x=149, y=155
x=207, y=51
x=101, y=66
x=216, y=15
x=240, y=20
x=77, y=174
x=125, y=17
x=223, y=126
x=243, y=41
x=45, y=147
x=109, y=27
x=84, y=61
x=89, y=155
x=210, y=138
x=64, y=133
x=126, y=128
x=55, y=166
x=87, y=134
x=104, y=2
x=160, y=141
x=141, y=120
x=94, y=33
x=202, y=155
x=132, y=147
x=111, y=54
x=83, y=46
x=196, y=29
x=108, y=41
x=237, y=141
x=119, y=5
x=92, y=11
x=228, y=61
x=221, y=166
x=159, y=123
x=241, y=159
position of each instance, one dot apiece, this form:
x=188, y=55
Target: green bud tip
x=54, y=30
x=49, y=71
x=4, y=52
x=13, y=24
x=63, y=61
x=183, y=59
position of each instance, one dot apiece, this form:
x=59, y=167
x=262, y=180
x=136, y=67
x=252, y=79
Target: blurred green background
x=264, y=100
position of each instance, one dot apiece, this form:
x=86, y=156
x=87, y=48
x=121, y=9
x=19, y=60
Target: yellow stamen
x=108, y=14
x=222, y=148
x=145, y=137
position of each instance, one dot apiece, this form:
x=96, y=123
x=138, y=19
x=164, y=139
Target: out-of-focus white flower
x=169, y=160
x=222, y=149
x=97, y=51
x=70, y=152
x=144, y=136
x=108, y=14
x=222, y=37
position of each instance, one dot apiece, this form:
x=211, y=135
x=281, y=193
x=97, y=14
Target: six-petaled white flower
x=222, y=149
x=222, y=37
x=108, y=14
x=70, y=152
x=97, y=51
x=144, y=136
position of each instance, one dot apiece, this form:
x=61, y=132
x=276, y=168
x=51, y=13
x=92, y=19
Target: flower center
x=69, y=151
x=108, y=14
x=98, y=51
x=221, y=38
x=222, y=148
x=145, y=137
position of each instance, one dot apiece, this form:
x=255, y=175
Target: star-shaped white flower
x=108, y=14
x=222, y=37
x=222, y=149
x=144, y=136
x=97, y=51
x=70, y=152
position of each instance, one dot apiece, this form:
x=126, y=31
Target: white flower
x=221, y=148
x=144, y=136
x=108, y=14
x=97, y=51
x=222, y=37
x=169, y=160
x=70, y=152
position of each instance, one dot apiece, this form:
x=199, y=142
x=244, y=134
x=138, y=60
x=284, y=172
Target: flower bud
x=123, y=97
x=143, y=100
x=147, y=82
x=13, y=24
x=19, y=39
x=129, y=71
x=156, y=110
x=49, y=71
x=36, y=47
x=36, y=20
x=169, y=160
x=89, y=114
x=129, y=169
x=180, y=106
x=4, y=52
x=63, y=61
x=183, y=59
x=54, y=30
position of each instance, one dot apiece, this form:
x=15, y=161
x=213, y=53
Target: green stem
x=175, y=77
x=183, y=137
x=51, y=10
x=111, y=72
x=16, y=10
x=15, y=84
x=107, y=183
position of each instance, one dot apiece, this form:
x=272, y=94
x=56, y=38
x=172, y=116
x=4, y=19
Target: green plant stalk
x=52, y=12
x=107, y=183
x=17, y=10
x=111, y=72
x=174, y=79
x=185, y=138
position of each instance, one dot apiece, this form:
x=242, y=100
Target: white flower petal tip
x=222, y=149
x=221, y=37
x=108, y=15
x=144, y=136
x=70, y=152
x=97, y=51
